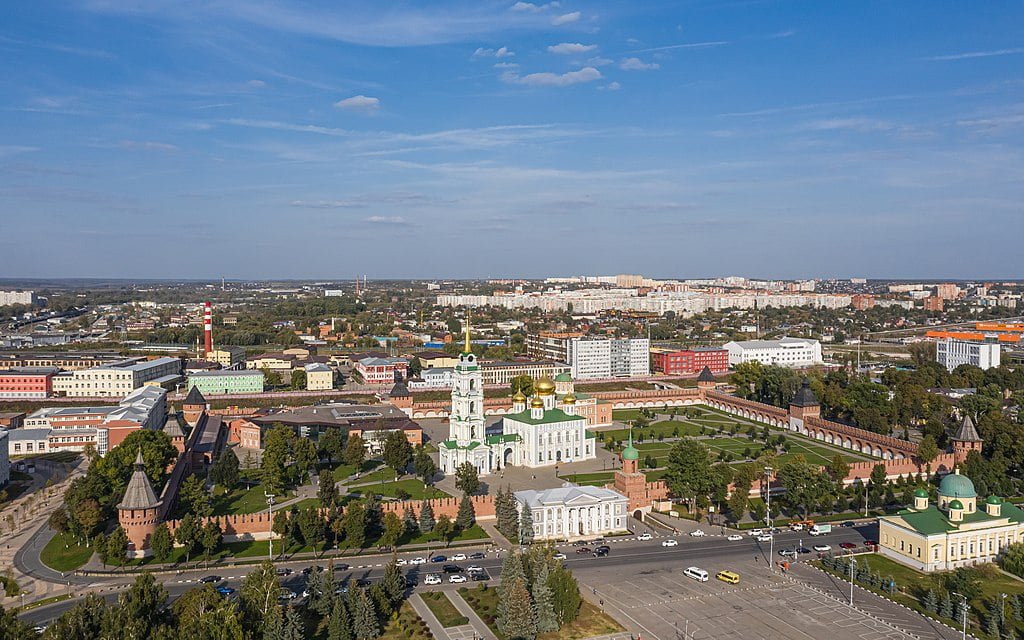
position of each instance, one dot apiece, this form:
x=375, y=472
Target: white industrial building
x=952, y=353
x=784, y=352
x=115, y=380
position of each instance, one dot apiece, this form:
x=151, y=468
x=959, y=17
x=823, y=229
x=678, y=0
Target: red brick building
x=683, y=362
x=26, y=383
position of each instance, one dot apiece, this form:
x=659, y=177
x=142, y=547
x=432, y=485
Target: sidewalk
x=423, y=611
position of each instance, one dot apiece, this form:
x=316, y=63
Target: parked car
x=601, y=552
x=410, y=581
x=401, y=562
x=457, y=578
x=341, y=566
x=871, y=543
x=559, y=556
x=756, y=532
x=210, y=579
x=457, y=557
x=788, y=553
x=671, y=542
x=282, y=571
x=439, y=559
x=847, y=545
x=287, y=594
x=480, y=576
x=451, y=568
x=764, y=537
x=225, y=590
x=584, y=550
x=849, y=523
x=479, y=555
x=644, y=537
x=697, y=533
x=432, y=578
x=696, y=573
x=734, y=537
x=474, y=569
x=822, y=548
x=418, y=560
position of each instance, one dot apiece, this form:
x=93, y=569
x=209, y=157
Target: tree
x=294, y=628
x=327, y=491
x=162, y=543
x=225, y=470
x=397, y=451
x=59, y=521
x=738, y=502
x=806, y=487
x=187, y=534
x=930, y=602
x=331, y=444
x=298, y=380
x=304, y=454
x=87, y=619
x=99, y=545
x=409, y=519
x=466, y=478
x=340, y=625
x=364, y=616
x=117, y=465
x=689, y=474
x=838, y=468
x=117, y=545
x=526, y=525
x=543, y=600
x=12, y=628
x=415, y=367
x=427, y=521
x=211, y=538
x=311, y=524
x=424, y=464
x=393, y=529
x=88, y=514
x=193, y=497
x=466, y=517
x=258, y=596
x=1012, y=559
x=142, y=608
x=204, y=613
x=355, y=451
x=276, y=455
x=927, y=450
x=393, y=583
x=320, y=587
x=444, y=528
x=522, y=383
x=518, y=619
x=355, y=525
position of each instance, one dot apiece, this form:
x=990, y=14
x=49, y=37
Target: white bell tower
x=466, y=422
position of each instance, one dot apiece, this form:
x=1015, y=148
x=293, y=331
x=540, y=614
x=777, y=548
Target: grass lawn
x=306, y=503
x=406, y=625
x=472, y=533
x=443, y=609
x=64, y=553
x=657, y=474
x=250, y=500
x=590, y=622
x=343, y=471
x=914, y=584
x=413, y=486
x=385, y=474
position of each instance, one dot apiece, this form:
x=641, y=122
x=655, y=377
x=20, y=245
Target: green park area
x=407, y=489
x=443, y=609
x=591, y=621
x=406, y=625
x=65, y=553
x=241, y=500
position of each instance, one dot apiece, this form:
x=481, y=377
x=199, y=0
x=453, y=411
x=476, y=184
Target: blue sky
x=181, y=138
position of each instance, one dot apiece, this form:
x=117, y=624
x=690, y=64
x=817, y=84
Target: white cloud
x=506, y=65
x=359, y=103
x=636, y=64
x=389, y=220
x=148, y=145
x=599, y=61
x=13, y=149
x=571, y=48
x=501, y=52
x=977, y=54
x=611, y=86
x=548, y=79
x=534, y=8
x=566, y=18
x=256, y=84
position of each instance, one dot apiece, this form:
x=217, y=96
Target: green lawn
x=413, y=486
x=238, y=501
x=343, y=471
x=596, y=479
x=64, y=553
x=383, y=474
x=443, y=609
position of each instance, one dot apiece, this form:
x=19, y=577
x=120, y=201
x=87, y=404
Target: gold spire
x=469, y=348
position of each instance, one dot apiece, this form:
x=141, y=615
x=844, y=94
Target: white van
x=697, y=574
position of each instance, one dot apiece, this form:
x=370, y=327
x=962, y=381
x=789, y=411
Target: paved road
x=626, y=554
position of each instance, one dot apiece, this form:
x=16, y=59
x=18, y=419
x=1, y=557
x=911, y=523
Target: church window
x=577, y=451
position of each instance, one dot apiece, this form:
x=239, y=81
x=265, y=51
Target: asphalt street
x=627, y=554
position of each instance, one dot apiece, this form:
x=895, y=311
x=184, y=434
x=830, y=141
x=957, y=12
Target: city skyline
x=515, y=139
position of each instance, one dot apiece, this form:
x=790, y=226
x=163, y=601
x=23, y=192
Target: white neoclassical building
x=573, y=512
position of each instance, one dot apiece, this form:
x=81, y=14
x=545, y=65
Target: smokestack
x=208, y=327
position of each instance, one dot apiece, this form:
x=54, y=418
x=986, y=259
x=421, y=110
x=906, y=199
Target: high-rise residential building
x=784, y=352
x=17, y=297
x=550, y=345
x=593, y=357
x=947, y=291
x=951, y=353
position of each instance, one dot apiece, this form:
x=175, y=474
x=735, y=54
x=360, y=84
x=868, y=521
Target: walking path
x=423, y=611
x=480, y=628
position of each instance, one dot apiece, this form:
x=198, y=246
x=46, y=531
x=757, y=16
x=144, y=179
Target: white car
x=734, y=537
x=698, y=533
x=645, y=537
x=457, y=557
x=457, y=578
x=474, y=569
x=764, y=537
x=401, y=562
x=670, y=543
x=419, y=560
x=432, y=578
x=756, y=532
x=559, y=556
x=796, y=526
x=822, y=548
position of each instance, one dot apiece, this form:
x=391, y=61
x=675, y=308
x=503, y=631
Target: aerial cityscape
x=511, y=321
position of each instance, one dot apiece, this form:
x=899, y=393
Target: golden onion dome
x=537, y=403
x=519, y=397
x=569, y=399
x=544, y=386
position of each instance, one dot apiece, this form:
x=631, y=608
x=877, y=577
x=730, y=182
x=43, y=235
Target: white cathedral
x=545, y=434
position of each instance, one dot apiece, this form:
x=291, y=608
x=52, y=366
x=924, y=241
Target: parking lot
x=664, y=604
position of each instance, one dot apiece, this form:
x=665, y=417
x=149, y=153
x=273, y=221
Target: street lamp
x=853, y=567
x=270, y=516
x=768, y=516
x=1002, y=608
x=964, y=599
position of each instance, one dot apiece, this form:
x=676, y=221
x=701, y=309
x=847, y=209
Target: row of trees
x=537, y=594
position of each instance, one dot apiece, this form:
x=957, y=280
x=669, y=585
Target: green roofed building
x=953, y=532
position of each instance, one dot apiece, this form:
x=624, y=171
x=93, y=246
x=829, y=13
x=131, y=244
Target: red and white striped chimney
x=207, y=327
